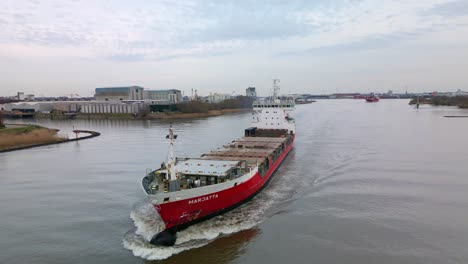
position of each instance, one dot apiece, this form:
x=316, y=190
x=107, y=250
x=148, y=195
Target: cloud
x=250, y=20
x=370, y=25
x=126, y=57
x=160, y=30
x=450, y=9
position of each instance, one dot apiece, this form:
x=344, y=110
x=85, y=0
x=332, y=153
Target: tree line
x=203, y=107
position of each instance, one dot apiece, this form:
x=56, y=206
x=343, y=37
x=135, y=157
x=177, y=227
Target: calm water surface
x=366, y=183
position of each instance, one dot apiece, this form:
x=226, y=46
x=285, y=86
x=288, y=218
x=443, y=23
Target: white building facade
x=217, y=97
x=118, y=94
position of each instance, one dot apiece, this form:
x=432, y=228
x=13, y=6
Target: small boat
x=372, y=98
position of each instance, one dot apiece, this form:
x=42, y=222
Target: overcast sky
x=71, y=47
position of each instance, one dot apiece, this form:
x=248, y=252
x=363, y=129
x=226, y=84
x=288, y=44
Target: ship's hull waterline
x=181, y=214
x=187, y=191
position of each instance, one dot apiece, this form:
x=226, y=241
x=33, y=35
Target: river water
x=365, y=183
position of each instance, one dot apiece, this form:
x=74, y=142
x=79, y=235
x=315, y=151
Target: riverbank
x=146, y=116
x=460, y=101
x=17, y=137
x=178, y=115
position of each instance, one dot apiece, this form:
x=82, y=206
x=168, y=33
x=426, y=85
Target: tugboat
x=372, y=98
x=186, y=191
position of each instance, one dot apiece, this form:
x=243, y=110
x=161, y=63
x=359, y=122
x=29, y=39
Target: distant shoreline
x=148, y=116
x=178, y=115
x=460, y=101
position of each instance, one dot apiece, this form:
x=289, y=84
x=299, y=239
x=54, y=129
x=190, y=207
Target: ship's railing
x=189, y=181
x=274, y=103
x=146, y=182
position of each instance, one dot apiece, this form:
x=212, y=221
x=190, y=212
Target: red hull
x=372, y=99
x=184, y=212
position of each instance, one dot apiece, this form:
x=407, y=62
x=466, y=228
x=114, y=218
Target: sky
x=57, y=48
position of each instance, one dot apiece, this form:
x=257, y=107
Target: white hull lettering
x=203, y=199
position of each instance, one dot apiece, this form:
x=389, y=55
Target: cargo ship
x=372, y=98
x=185, y=191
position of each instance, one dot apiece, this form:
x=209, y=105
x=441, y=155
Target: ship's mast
x=171, y=170
x=276, y=88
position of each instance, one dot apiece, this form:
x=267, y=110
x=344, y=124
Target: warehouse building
x=28, y=107
x=137, y=93
x=217, y=97
x=171, y=96
x=251, y=92
x=111, y=108
x=118, y=94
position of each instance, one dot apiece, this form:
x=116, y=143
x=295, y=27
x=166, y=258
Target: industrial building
x=171, y=96
x=24, y=97
x=250, y=92
x=137, y=93
x=87, y=107
x=28, y=107
x=118, y=94
x=217, y=98
x=111, y=108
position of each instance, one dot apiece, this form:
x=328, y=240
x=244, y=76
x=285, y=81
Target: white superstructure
x=273, y=112
x=189, y=190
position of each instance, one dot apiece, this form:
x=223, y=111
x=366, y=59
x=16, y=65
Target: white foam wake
x=148, y=223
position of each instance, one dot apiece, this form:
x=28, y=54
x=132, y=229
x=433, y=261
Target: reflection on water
x=222, y=250
x=148, y=223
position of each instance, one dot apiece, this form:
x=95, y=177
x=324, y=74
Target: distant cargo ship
x=372, y=98
x=190, y=190
x=305, y=101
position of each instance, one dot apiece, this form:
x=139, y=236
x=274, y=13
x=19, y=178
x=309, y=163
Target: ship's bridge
x=273, y=113
x=274, y=103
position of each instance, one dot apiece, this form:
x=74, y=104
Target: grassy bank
x=460, y=101
x=15, y=137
